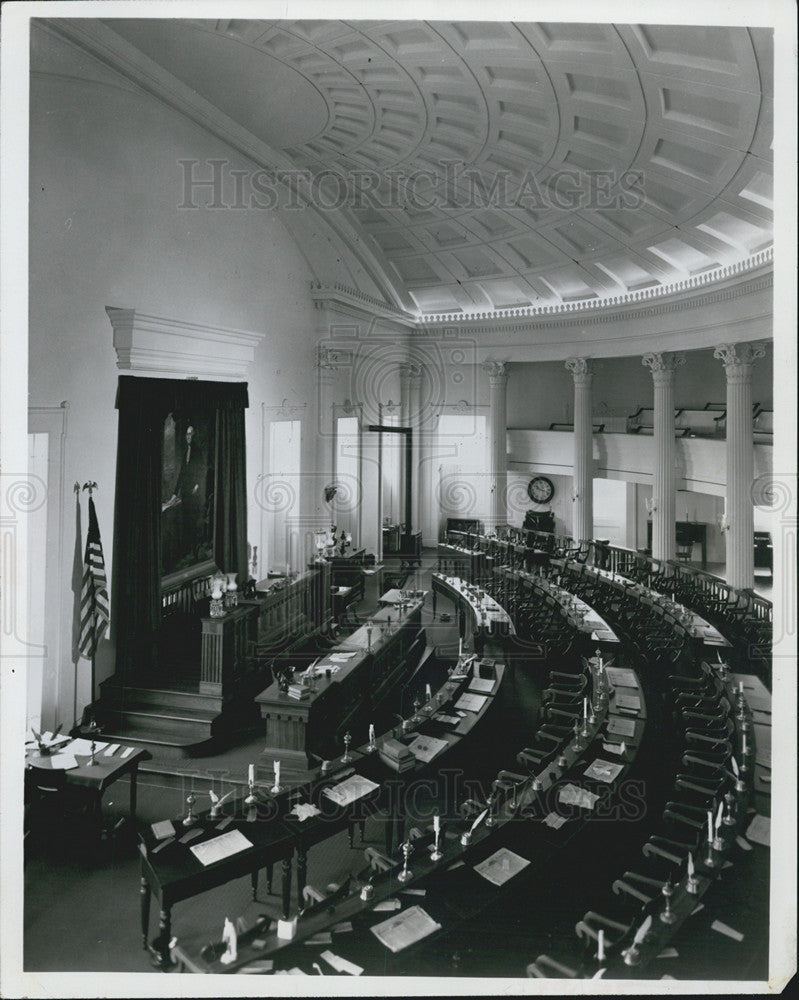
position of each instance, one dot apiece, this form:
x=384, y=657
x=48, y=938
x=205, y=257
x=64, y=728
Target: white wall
x=105, y=229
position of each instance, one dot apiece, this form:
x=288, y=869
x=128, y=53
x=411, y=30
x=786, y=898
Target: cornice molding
x=154, y=345
x=359, y=304
x=589, y=311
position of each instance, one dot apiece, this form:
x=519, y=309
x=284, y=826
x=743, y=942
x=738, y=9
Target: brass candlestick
x=435, y=854
x=667, y=915
x=92, y=762
x=347, y=740
x=406, y=873
x=190, y=818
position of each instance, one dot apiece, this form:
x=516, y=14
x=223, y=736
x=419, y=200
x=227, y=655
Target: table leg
x=144, y=890
x=254, y=881
x=161, y=956
x=286, y=886
x=302, y=873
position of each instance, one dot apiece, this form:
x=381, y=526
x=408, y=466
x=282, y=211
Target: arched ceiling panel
x=500, y=164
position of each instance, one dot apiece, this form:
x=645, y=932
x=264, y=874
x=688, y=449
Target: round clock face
x=540, y=489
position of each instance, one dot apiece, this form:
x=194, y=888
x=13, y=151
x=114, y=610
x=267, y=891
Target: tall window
x=346, y=504
x=393, y=448
x=283, y=495
x=463, y=470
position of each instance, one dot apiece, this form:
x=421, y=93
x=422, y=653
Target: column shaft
x=738, y=360
x=664, y=541
x=583, y=475
x=498, y=458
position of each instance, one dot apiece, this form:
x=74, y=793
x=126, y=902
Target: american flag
x=94, y=616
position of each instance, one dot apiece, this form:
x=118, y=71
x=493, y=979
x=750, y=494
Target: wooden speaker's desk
x=350, y=679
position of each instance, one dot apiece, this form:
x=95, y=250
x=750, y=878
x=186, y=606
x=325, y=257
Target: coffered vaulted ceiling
x=425, y=117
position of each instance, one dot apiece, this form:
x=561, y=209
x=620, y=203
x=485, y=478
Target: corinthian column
x=738, y=360
x=410, y=403
x=663, y=366
x=498, y=458
x=583, y=491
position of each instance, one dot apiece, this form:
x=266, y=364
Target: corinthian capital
x=581, y=369
x=738, y=359
x=663, y=364
x=410, y=371
x=497, y=371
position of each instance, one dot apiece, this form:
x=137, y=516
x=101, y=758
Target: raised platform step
x=171, y=730
x=183, y=701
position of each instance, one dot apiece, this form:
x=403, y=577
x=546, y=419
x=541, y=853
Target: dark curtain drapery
x=143, y=404
x=230, y=528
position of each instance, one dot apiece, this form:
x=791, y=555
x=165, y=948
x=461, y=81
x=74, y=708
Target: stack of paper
x=405, y=929
x=354, y=788
x=572, y=795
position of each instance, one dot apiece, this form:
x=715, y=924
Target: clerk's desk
x=363, y=669
x=173, y=873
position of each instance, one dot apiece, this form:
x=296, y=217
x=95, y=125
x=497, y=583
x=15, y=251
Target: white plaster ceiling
x=690, y=107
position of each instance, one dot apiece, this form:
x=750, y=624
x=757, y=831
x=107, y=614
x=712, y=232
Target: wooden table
x=173, y=873
x=95, y=778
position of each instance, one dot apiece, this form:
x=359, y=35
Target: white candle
x=428, y=692
x=371, y=732
x=743, y=742
x=277, y=772
x=251, y=774
x=719, y=814
x=710, y=826
x=600, y=945
x=436, y=823
x=690, y=865
x=585, y=707
x=288, y=569
x=460, y=647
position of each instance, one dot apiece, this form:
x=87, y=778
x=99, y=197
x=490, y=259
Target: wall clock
x=540, y=489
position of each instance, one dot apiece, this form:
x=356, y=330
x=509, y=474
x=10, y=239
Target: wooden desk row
x=172, y=872
x=530, y=821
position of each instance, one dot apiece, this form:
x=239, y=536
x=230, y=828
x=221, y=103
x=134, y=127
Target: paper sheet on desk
x=759, y=831
x=83, y=748
x=425, y=748
x=220, y=847
x=629, y=701
x=340, y=657
x=56, y=762
x=621, y=727
x=603, y=770
x=482, y=685
x=572, y=795
x=471, y=702
x=501, y=866
x=350, y=790
x=405, y=928
x=554, y=820
x=622, y=677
